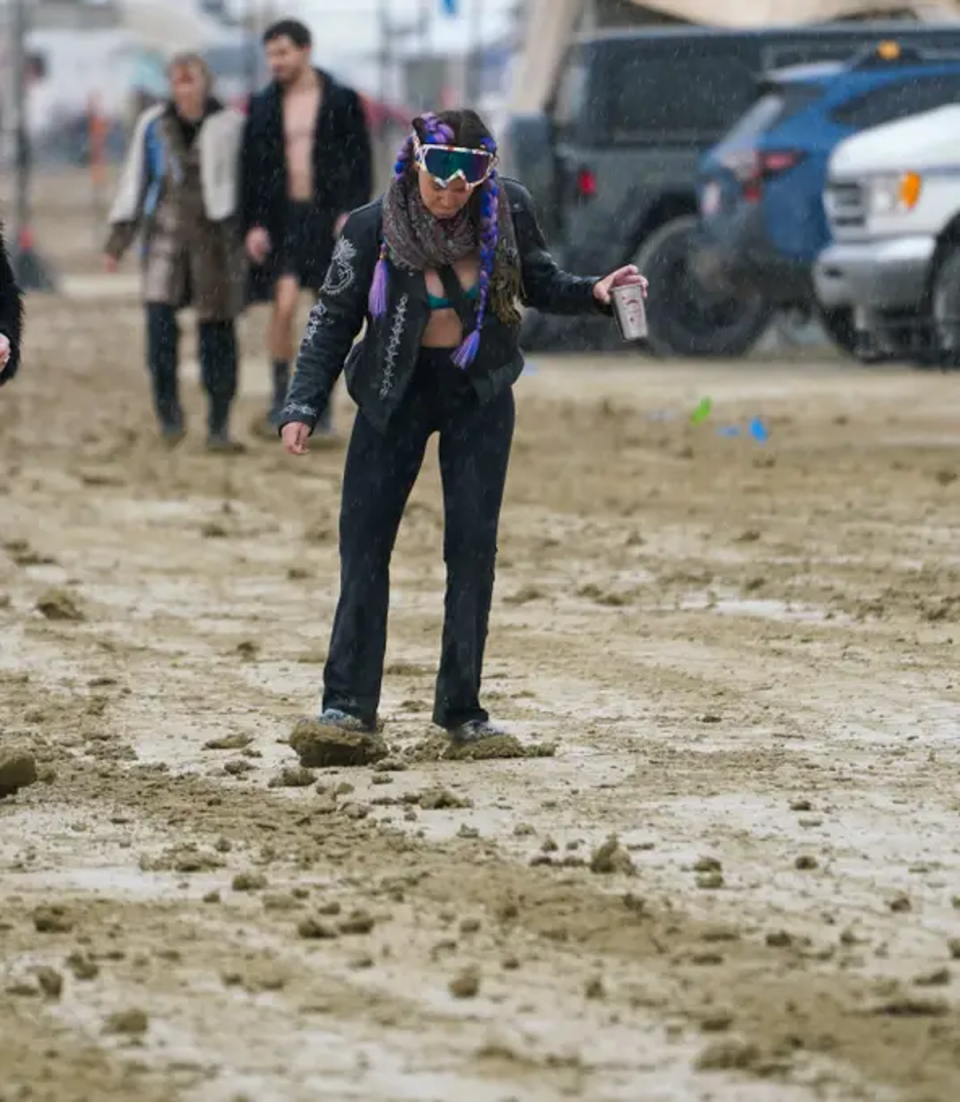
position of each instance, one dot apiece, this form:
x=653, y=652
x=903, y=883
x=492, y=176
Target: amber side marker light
x=910, y=187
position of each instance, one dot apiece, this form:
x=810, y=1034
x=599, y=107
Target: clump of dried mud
x=442, y=748
x=18, y=769
x=321, y=747
x=57, y=604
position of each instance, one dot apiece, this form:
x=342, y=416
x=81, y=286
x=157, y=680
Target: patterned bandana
x=417, y=240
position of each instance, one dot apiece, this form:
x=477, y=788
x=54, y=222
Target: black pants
x=218, y=366
x=381, y=470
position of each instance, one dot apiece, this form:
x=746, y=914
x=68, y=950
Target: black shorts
x=293, y=256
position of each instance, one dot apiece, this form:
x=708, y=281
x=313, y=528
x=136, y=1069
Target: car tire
x=683, y=319
x=945, y=308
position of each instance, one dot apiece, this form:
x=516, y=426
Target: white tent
x=551, y=23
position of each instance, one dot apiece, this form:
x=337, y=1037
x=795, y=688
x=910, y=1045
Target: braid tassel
x=489, y=236
x=378, y=288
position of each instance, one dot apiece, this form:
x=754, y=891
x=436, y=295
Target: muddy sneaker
x=342, y=721
x=172, y=433
x=475, y=730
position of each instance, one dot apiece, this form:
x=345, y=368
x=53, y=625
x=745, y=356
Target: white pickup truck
x=893, y=203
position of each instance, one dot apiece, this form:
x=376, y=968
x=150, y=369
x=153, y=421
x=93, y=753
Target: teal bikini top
x=436, y=302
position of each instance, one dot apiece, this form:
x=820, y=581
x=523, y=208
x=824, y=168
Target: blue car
x=760, y=189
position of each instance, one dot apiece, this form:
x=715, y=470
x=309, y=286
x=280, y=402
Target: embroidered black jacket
x=11, y=313
x=378, y=368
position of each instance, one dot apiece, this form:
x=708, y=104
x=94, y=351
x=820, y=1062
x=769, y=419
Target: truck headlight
x=895, y=194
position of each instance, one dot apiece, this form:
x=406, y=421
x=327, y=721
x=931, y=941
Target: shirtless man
x=306, y=164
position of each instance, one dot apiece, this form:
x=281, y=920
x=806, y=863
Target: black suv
x=612, y=165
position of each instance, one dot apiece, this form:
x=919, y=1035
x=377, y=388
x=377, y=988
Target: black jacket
x=342, y=172
x=379, y=368
x=11, y=313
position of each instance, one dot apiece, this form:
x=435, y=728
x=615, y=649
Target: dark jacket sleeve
x=546, y=287
x=335, y=320
x=11, y=313
x=252, y=197
x=357, y=184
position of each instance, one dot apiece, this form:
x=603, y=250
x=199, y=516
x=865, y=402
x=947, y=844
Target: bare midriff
x=444, y=329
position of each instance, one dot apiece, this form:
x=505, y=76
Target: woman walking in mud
x=437, y=269
x=180, y=188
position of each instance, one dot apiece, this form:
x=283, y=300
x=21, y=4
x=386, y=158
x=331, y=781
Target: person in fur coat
x=11, y=317
x=180, y=191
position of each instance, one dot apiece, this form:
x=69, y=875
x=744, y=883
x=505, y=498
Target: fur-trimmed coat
x=11, y=313
x=183, y=195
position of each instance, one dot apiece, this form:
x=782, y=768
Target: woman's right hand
x=295, y=435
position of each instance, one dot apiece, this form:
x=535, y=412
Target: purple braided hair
x=489, y=236
x=439, y=133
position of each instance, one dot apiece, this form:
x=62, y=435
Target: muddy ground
x=740, y=658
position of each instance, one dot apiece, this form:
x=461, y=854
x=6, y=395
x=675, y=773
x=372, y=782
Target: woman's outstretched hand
x=627, y=275
x=295, y=435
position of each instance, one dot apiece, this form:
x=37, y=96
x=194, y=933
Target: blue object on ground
x=728, y=430
x=758, y=430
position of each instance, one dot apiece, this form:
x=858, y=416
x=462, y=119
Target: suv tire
x=682, y=319
x=945, y=308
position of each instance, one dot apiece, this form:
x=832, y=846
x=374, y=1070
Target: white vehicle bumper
x=887, y=274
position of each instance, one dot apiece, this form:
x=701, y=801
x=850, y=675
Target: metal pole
x=386, y=56
x=476, y=54
x=426, y=24
x=22, y=204
x=252, y=22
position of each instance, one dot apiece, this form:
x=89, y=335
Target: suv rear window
x=764, y=113
x=776, y=106
x=899, y=100
x=674, y=98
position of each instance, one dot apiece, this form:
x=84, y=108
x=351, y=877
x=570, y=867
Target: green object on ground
x=702, y=412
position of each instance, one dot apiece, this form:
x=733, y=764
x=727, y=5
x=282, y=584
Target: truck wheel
x=839, y=327
x=684, y=319
x=945, y=308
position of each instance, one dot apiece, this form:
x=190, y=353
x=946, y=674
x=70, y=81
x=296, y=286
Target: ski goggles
x=445, y=163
